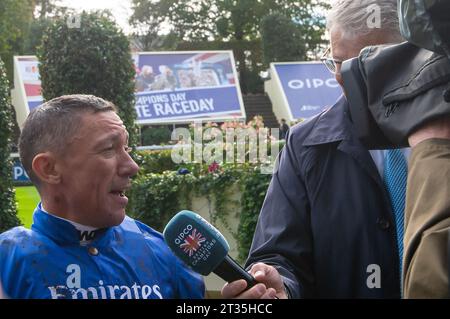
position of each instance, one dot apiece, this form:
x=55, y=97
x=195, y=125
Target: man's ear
x=45, y=168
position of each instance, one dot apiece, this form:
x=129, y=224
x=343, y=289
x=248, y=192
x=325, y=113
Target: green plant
x=15, y=18
x=230, y=25
x=155, y=135
x=155, y=198
x=281, y=39
x=216, y=186
x=8, y=213
x=155, y=161
x=164, y=188
x=90, y=58
x=254, y=187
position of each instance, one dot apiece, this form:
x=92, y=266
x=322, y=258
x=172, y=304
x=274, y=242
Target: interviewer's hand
x=270, y=285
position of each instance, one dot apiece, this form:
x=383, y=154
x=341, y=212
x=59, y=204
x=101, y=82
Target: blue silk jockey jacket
x=129, y=261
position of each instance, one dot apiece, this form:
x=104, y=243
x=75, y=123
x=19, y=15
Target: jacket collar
x=63, y=232
x=332, y=125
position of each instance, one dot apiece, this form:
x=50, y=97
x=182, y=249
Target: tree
x=281, y=40
x=15, y=18
x=92, y=57
x=35, y=33
x=20, y=31
x=230, y=21
x=45, y=12
x=8, y=214
x=49, y=8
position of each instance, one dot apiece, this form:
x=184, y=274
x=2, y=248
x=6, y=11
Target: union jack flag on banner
x=192, y=242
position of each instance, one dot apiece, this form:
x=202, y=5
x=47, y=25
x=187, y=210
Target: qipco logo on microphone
x=186, y=231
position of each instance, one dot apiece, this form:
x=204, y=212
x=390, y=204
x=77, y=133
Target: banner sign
x=308, y=87
x=176, y=86
x=29, y=75
x=171, y=87
x=18, y=173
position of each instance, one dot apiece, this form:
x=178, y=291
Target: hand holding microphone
x=202, y=247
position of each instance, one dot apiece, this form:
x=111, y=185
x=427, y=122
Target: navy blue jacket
x=326, y=222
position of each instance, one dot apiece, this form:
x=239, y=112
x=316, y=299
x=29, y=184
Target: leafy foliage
x=92, y=58
x=281, y=39
x=155, y=135
x=155, y=198
x=227, y=24
x=163, y=188
x=254, y=188
x=155, y=161
x=36, y=32
x=8, y=213
x=49, y=8
x=224, y=19
x=15, y=18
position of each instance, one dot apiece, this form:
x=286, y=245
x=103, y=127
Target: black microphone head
x=195, y=241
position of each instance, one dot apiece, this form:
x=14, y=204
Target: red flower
x=213, y=167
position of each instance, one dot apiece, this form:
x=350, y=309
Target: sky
x=121, y=9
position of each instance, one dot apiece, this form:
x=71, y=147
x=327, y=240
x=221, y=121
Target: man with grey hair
x=81, y=244
x=327, y=227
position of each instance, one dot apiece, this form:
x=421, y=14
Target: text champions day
x=171, y=104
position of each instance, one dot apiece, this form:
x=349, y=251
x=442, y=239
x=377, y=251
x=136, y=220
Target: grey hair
x=352, y=16
x=51, y=126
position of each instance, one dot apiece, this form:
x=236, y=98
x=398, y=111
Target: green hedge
x=155, y=161
x=157, y=197
x=90, y=58
x=8, y=213
x=163, y=188
x=155, y=135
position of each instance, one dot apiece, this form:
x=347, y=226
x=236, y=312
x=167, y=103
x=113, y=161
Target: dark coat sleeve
x=283, y=236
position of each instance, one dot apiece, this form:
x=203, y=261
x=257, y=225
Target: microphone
x=203, y=248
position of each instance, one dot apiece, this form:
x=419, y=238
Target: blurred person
x=328, y=227
x=145, y=79
x=165, y=80
x=187, y=79
x=81, y=244
x=284, y=129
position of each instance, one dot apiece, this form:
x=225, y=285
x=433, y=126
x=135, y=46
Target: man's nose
x=128, y=166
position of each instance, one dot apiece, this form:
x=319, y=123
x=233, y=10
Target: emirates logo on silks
x=192, y=242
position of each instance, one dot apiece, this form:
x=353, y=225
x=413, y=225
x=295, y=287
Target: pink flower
x=213, y=167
